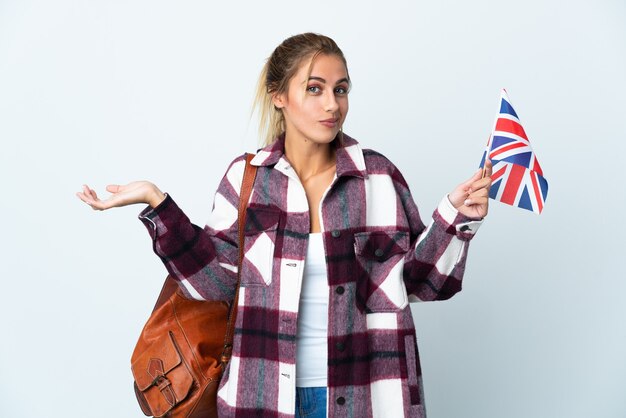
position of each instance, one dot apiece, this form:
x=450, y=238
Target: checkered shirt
x=380, y=256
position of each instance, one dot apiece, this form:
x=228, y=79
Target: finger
x=483, y=184
x=90, y=192
x=476, y=201
x=87, y=194
x=479, y=193
x=101, y=205
x=488, y=168
x=82, y=197
x=480, y=184
x=106, y=203
x=94, y=204
x=113, y=188
x=477, y=175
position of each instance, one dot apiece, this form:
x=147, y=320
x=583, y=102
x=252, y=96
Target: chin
x=325, y=138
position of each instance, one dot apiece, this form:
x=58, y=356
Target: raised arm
x=435, y=263
x=202, y=260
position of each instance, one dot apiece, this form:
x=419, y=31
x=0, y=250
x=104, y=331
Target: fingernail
x=467, y=202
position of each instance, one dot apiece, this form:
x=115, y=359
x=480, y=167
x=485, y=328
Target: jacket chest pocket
x=380, y=261
x=259, y=245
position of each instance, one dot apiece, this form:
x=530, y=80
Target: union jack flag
x=517, y=178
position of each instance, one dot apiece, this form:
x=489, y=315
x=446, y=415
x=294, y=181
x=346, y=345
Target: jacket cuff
x=156, y=219
x=458, y=224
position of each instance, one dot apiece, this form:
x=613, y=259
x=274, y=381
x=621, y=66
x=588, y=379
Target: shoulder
x=376, y=160
x=367, y=161
x=237, y=166
x=234, y=173
x=378, y=164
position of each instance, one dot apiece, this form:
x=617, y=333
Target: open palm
x=123, y=195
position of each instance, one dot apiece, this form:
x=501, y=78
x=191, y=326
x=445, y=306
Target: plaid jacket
x=380, y=257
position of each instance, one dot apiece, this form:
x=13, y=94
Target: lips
x=330, y=123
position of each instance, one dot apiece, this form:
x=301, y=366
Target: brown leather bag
x=186, y=344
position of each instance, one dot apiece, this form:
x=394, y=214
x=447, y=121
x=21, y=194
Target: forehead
x=328, y=67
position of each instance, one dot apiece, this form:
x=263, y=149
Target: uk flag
x=517, y=178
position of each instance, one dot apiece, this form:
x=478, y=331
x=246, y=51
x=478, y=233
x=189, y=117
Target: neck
x=307, y=157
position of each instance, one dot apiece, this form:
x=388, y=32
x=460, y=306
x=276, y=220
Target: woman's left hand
x=471, y=198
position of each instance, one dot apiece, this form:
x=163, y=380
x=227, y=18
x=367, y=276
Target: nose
x=331, y=104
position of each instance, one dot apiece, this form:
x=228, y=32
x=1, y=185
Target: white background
x=100, y=92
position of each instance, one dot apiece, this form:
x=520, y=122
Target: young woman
x=334, y=252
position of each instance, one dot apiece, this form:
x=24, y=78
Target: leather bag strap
x=247, y=184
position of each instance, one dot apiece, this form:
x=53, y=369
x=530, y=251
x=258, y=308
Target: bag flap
x=158, y=359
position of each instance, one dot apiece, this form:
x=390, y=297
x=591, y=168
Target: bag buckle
x=155, y=369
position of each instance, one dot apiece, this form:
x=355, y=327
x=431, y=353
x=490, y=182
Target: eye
x=313, y=89
x=341, y=90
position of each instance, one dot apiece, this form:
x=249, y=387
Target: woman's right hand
x=129, y=194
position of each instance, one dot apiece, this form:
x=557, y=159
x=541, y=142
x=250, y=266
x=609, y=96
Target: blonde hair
x=278, y=71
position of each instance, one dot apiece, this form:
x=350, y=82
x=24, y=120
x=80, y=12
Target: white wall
x=113, y=91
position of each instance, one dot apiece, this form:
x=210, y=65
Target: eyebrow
x=343, y=80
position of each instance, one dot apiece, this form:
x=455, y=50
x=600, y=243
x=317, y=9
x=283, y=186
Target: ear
x=279, y=100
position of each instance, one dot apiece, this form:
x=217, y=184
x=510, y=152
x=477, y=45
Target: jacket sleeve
x=202, y=260
x=435, y=262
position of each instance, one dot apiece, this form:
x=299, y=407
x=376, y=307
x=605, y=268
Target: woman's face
x=316, y=107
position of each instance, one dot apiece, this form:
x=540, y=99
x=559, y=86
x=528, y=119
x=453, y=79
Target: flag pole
x=495, y=122
x=486, y=156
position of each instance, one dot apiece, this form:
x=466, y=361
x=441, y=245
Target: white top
x=312, y=335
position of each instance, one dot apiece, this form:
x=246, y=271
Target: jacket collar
x=350, y=160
